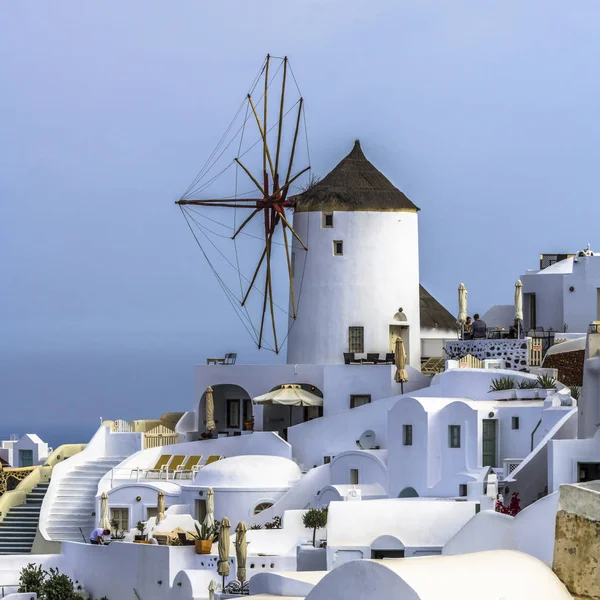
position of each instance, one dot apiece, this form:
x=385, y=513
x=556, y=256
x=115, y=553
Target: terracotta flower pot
x=249, y=425
x=203, y=546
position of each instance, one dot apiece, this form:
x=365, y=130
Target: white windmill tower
x=359, y=280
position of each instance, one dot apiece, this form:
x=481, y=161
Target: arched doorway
x=233, y=406
x=408, y=492
x=277, y=417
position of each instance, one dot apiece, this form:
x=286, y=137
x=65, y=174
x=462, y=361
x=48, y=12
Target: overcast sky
x=486, y=114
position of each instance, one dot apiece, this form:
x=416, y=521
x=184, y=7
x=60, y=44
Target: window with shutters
x=359, y=400
x=119, y=519
x=454, y=436
x=407, y=435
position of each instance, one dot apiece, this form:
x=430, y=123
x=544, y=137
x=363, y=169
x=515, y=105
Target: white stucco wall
x=377, y=274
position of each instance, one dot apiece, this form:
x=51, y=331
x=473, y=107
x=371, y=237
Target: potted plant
x=527, y=389
x=141, y=527
x=116, y=535
x=249, y=424
x=204, y=538
x=546, y=384
x=502, y=388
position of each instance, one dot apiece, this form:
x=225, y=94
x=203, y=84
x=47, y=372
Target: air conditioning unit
x=493, y=363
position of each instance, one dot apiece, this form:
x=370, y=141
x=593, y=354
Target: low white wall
x=531, y=531
x=11, y=565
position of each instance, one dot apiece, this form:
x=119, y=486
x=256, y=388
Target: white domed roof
x=250, y=471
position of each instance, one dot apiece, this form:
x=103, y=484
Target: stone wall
x=514, y=353
x=569, y=366
x=577, y=539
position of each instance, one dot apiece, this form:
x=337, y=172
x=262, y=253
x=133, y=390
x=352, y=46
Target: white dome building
x=358, y=283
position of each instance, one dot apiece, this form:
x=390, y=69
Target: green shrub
x=31, y=580
x=314, y=519
x=528, y=384
x=575, y=392
x=58, y=586
x=546, y=382
x=502, y=383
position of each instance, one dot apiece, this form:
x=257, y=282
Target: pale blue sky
x=485, y=113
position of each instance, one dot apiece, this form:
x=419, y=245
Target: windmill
x=273, y=178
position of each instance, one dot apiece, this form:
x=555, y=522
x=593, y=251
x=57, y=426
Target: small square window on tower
x=515, y=422
x=327, y=219
x=338, y=247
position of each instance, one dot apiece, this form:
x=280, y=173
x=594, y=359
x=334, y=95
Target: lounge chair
x=192, y=465
x=159, y=467
x=212, y=459
x=174, y=465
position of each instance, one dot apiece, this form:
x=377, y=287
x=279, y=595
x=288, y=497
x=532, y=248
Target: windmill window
x=515, y=422
x=338, y=248
x=356, y=339
x=327, y=219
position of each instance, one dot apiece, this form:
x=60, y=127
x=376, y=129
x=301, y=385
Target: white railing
x=120, y=426
x=138, y=474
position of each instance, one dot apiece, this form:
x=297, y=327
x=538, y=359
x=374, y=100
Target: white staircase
x=71, y=516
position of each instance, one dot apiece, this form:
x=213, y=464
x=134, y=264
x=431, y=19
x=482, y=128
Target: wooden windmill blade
x=271, y=201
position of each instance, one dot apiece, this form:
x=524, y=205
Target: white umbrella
x=462, y=304
x=104, y=520
x=519, y=300
x=289, y=395
x=212, y=588
x=210, y=409
x=160, y=510
x=209, y=519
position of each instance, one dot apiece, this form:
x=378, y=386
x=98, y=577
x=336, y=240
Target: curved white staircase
x=72, y=514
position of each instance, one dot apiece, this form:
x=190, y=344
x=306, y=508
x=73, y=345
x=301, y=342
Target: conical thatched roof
x=355, y=184
x=433, y=314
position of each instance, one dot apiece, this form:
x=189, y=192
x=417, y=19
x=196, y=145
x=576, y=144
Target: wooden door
x=489, y=443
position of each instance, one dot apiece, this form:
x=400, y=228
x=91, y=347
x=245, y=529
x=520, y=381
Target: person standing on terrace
x=479, y=328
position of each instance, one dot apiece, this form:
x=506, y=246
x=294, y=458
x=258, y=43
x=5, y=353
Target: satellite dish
x=367, y=440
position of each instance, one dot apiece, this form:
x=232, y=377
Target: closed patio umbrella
x=223, y=564
x=462, y=307
x=210, y=409
x=212, y=588
x=209, y=519
x=160, y=508
x=519, y=305
x=401, y=376
x=104, y=520
x=241, y=548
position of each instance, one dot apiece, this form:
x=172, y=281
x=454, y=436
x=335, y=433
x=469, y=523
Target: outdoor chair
x=230, y=359
x=174, y=465
x=373, y=357
x=192, y=465
x=350, y=359
x=162, y=539
x=159, y=467
x=212, y=459
x=389, y=358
